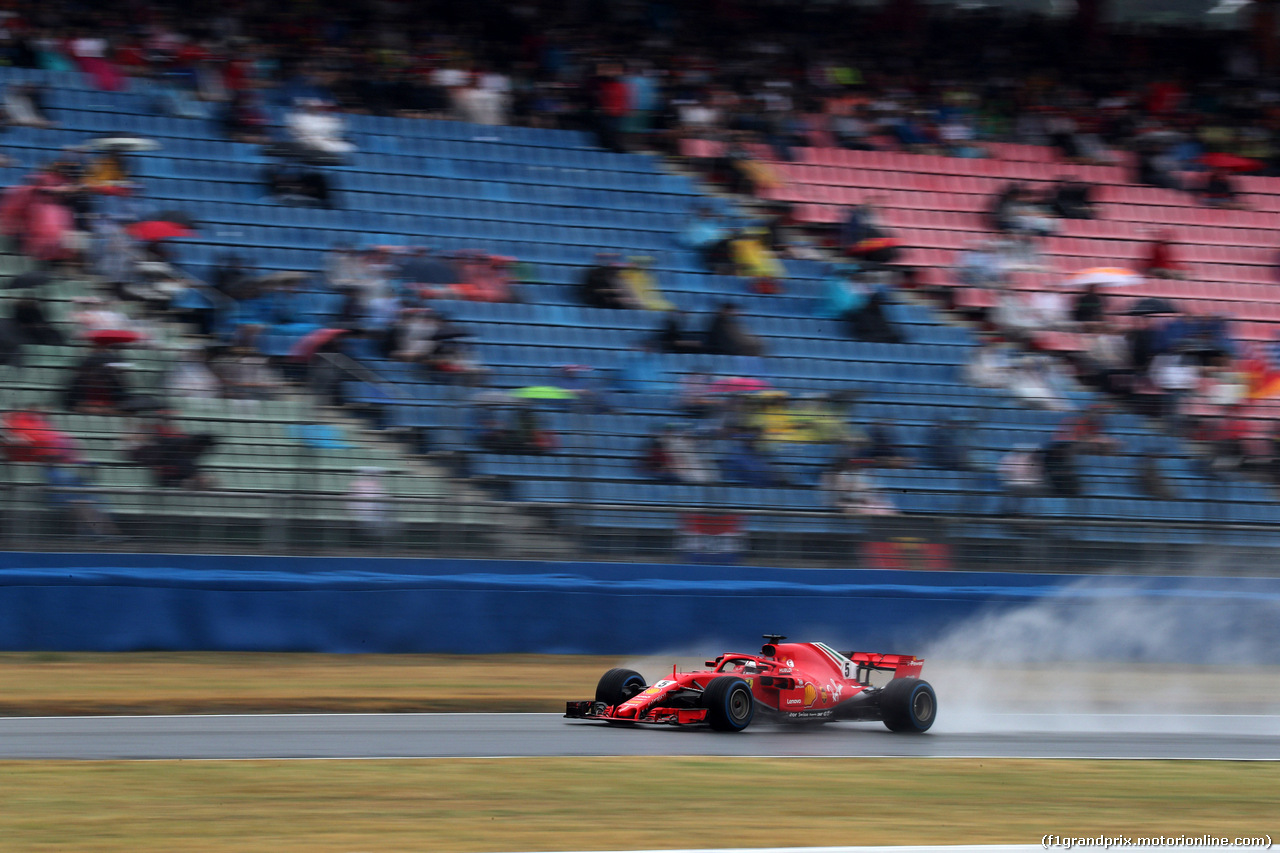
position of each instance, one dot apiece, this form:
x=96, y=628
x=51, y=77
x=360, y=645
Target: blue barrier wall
x=139, y=602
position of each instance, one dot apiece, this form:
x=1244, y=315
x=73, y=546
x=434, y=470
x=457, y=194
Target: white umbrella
x=1105, y=276
x=123, y=142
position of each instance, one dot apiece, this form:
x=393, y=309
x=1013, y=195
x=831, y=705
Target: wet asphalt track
x=349, y=736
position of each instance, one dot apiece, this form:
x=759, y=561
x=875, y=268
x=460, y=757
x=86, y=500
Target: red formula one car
x=789, y=682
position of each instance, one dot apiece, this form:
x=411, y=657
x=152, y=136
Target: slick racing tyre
x=618, y=685
x=729, y=703
x=908, y=705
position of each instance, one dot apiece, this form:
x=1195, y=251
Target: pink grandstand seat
x=974, y=297
x=700, y=148
x=1058, y=342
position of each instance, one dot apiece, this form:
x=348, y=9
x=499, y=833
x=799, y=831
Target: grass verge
x=616, y=803
x=56, y=683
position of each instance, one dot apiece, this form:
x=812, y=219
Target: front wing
x=588, y=710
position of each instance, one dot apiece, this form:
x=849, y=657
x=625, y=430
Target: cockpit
x=742, y=666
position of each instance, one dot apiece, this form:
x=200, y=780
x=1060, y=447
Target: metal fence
x=66, y=518
x=291, y=475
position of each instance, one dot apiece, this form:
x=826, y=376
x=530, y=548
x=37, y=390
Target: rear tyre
x=908, y=705
x=618, y=685
x=729, y=703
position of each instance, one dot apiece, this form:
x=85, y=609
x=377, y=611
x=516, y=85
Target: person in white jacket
x=317, y=128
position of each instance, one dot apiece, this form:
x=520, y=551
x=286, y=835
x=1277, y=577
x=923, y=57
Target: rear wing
x=902, y=666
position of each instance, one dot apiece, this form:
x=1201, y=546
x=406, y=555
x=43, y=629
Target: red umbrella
x=159, y=230
x=307, y=345
x=113, y=337
x=740, y=385
x=1231, y=162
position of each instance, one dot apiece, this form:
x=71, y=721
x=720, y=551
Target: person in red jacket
x=613, y=105
x=1160, y=261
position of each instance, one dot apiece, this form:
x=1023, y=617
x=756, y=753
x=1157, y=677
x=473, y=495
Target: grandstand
x=552, y=200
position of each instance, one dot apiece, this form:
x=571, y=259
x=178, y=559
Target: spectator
x=318, y=132
x=675, y=336
x=1226, y=387
x=612, y=106
x=1090, y=306
x=706, y=235
x=640, y=285
x=741, y=171
x=991, y=365
x=949, y=446
x=108, y=173
x=24, y=105
x=1020, y=315
x=1034, y=379
x=93, y=314
x=1086, y=431
x=1021, y=474
x=1060, y=471
x=31, y=326
x=1143, y=343
x=291, y=183
x=38, y=214
x=748, y=461
x=191, y=378
x=242, y=120
x=10, y=344
x=868, y=321
x=843, y=291
x=529, y=435
x=245, y=375
x=1014, y=211
x=230, y=277
x=1159, y=261
x=675, y=455
x=481, y=277
x=414, y=335
x=853, y=491
x=982, y=264
x=1155, y=168
x=1072, y=199
x=344, y=268
x=172, y=455
x=602, y=285
x=97, y=385
x=1175, y=376
x=752, y=259
x=26, y=435
x=1105, y=362
x=864, y=236
x=479, y=104
x=1223, y=436
x=1219, y=191
x=68, y=489
x=656, y=460
x=642, y=95
x=1151, y=481
x=697, y=395
x=881, y=447
x=369, y=506
x=725, y=334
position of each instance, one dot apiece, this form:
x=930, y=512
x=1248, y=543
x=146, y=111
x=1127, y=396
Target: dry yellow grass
x=200, y=682
x=616, y=803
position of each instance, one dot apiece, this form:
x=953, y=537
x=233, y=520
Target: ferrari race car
x=787, y=682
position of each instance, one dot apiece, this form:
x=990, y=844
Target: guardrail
x=452, y=523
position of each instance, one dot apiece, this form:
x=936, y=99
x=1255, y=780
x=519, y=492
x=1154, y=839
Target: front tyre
x=908, y=705
x=618, y=685
x=729, y=703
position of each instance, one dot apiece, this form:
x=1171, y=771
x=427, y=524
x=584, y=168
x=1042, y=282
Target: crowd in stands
x=747, y=74
x=784, y=74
